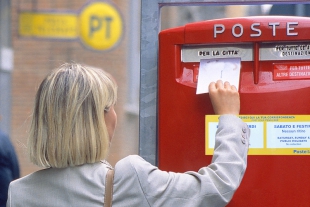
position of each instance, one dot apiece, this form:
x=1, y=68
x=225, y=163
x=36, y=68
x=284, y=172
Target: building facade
x=34, y=57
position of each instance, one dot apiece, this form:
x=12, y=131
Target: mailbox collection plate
x=267, y=51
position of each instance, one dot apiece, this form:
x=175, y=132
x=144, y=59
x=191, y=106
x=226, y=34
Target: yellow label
x=101, y=26
x=270, y=134
x=49, y=25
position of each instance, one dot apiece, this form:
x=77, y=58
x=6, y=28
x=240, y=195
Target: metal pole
x=148, y=78
x=6, y=65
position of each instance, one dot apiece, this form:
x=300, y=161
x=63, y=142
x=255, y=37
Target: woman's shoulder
x=133, y=164
x=134, y=170
x=131, y=161
x=55, y=174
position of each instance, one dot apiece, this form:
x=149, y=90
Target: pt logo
x=101, y=26
x=98, y=23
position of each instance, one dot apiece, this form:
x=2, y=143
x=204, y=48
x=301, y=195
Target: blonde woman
x=73, y=123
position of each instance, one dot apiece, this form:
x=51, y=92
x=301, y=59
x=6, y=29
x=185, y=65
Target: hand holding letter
x=224, y=97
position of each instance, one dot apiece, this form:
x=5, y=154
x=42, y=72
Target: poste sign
x=98, y=26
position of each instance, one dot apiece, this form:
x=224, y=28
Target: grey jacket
x=138, y=183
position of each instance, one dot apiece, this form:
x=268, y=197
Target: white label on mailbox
x=288, y=135
x=284, y=51
x=225, y=69
x=257, y=134
x=211, y=51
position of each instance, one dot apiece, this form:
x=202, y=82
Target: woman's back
x=138, y=183
x=72, y=186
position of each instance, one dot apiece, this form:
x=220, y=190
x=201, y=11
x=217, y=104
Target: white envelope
x=211, y=70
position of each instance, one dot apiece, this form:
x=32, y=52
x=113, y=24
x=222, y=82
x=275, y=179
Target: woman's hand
x=225, y=98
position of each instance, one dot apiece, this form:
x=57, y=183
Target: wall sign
x=98, y=25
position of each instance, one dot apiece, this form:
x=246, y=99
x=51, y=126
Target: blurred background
x=38, y=36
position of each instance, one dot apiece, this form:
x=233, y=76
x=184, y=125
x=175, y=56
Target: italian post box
x=274, y=86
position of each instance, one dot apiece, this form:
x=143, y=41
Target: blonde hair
x=68, y=126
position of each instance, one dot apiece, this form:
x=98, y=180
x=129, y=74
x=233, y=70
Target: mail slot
x=274, y=86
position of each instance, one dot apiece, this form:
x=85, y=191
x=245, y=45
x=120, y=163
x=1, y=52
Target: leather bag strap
x=108, y=194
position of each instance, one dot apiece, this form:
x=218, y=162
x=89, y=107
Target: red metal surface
x=270, y=180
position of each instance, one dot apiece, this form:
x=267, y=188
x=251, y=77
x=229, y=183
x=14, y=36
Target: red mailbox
x=274, y=83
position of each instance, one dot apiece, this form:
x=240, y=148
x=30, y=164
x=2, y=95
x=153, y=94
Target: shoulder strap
x=108, y=195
